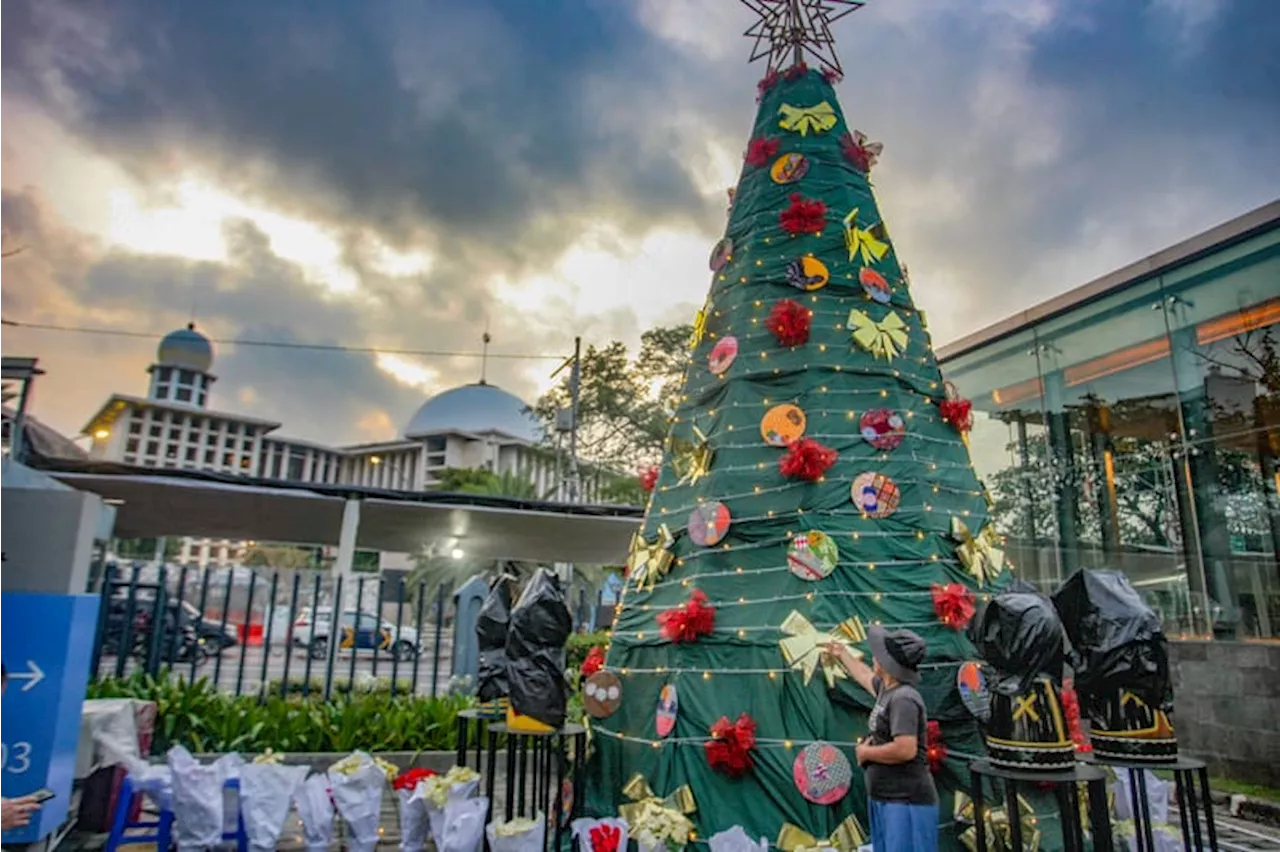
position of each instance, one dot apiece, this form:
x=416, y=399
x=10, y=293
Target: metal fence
x=253, y=632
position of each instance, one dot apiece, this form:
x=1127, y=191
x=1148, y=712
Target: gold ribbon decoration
x=885, y=339
x=664, y=819
x=692, y=461
x=981, y=555
x=804, y=644
x=699, y=325
x=649, y=561
x=995, y=824
x=801, y=120
x=847, y=837
x=872, y=243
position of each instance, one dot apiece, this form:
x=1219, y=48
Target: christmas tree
x=816, y=482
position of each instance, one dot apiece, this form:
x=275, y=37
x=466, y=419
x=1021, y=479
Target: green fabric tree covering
x=834, y=380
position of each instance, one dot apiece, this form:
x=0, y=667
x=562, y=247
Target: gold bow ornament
x=699, y=325
x=649, y=561
x=982, y=555
x=803, y=119
x=996, y=827
x=885, y=339
x=692, y=460
x=872, y=243
x=847, y=837
x=803, y=646
x=653, y=820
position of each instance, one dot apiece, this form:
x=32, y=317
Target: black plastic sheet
x=540, y=627
x=1019, y=636
x=491, y=637
x=1118, y=641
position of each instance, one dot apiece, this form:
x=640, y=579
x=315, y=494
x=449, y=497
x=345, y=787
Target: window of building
x=164, y=373
x=183, y=395
x=155, y=430
x=153, y=447
x=175, y=434
x=208, y=457
x=191, y=454
x=162, y=390
x=135, y=427
x=171, y=451
x=228, y=459
x=131, y=446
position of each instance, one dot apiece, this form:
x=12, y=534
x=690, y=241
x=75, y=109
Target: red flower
x=806, y=459
x=594, y=661
x=729, y=750
x=803, y=216
x=767, y=82
x=761, y=150
x=605, y=838
x=408, y=780
x=789, y=321
x=935, y=750
x=860, y=152
x=1071, y=709
x=832, y=76
x=795, y=72
x=958, y=412
x=953, y=604
x=648, y=478
x=687, y=622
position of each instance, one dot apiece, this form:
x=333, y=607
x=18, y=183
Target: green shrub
x=580, y=644
x=198, y=716
x=341, y=686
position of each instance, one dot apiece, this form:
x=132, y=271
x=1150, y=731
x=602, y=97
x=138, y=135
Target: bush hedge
x=580, y=644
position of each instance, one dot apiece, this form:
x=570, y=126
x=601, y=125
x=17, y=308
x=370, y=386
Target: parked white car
x=358, y=631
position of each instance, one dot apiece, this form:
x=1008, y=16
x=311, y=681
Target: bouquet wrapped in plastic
x=266, y=791
x=518, y=835
x=415, y=824
x=736, y=840
x=600, y=835
x=435, y=794
x=1020, y=638
x=1121, y=663
x=540, y=627
x=315, y=809
x=198, y=808
x=463, y=825
x=356, y=785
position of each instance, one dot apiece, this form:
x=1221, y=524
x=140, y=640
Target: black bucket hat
x=899, y=652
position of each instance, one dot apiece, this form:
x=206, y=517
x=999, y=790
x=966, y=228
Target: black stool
x=482, y=721
x=1064, y=783
x=528, y=784
x=1186, y=771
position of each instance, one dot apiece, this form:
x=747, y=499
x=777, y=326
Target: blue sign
x=47, y=643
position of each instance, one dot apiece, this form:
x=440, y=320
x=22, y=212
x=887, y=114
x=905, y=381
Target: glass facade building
x=1134, y=423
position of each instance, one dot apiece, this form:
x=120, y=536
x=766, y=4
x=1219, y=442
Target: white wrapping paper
x=736, y=840
x=266, y=791
x=197, y=801
x=315, y=809
x=415, y=825
x=1157, y=794
x=358, y=797
x=518, y=835
x=464, y=825
x=435, y=793
x=581, y=829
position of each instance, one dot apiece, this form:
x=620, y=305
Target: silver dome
x=186, y=348
x=474, y=408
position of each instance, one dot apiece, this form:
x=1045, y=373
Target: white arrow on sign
x=32, y=677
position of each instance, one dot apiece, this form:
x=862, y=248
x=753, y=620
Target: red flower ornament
x=594, y=661
x=649, y=478
x=935, y=750
x=761, y=150
x=688, y=621
x=953, y=604
x=804, y=216
x=789, y=321
x=729, y=749
x=605, y=838
x=807, y=459
x=767, y=82
x=795, y=72
x=408, y=780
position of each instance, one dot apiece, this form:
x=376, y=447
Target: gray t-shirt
x=899, y=711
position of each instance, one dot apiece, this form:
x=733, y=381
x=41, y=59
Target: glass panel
x=1224, y=316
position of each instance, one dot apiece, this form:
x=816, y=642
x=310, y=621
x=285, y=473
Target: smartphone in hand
x=43, y=795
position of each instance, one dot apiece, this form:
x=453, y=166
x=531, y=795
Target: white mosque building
x=478, y=426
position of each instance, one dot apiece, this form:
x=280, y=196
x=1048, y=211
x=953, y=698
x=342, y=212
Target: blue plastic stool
x=160, y=831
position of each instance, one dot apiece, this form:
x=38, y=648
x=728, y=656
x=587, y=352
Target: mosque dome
x=187, y=349
x=479, y=407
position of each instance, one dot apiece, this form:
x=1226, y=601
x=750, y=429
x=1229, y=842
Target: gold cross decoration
x=692, y=460
x=791, y=31
x=1026, y=706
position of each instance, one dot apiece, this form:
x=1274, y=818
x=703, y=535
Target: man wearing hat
x=902, y=801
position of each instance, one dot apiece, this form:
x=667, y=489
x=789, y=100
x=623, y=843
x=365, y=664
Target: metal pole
x=575, y=387
x=18, y=427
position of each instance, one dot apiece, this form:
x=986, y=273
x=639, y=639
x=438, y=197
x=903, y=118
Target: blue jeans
x=900, y=827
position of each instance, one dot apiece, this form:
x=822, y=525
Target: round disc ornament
x=875, y=285
x=789, y=168
x=601, y=695
x=822, y=773
x=971, y=683
x=668, y=709
x=709, y=523
x=882, y=428
x=875, y=494
x=782, y=424
x=812, y=555
x=722, y=355
x=807, y=273
x=721, y=254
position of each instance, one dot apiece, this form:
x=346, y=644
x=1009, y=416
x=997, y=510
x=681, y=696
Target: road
x=231, y=675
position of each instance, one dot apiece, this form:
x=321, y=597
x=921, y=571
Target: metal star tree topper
x=791, y=30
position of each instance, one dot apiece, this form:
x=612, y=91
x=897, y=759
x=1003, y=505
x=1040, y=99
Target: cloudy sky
x=397, y=174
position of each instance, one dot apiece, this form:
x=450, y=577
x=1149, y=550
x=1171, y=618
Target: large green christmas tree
x=778, y=556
